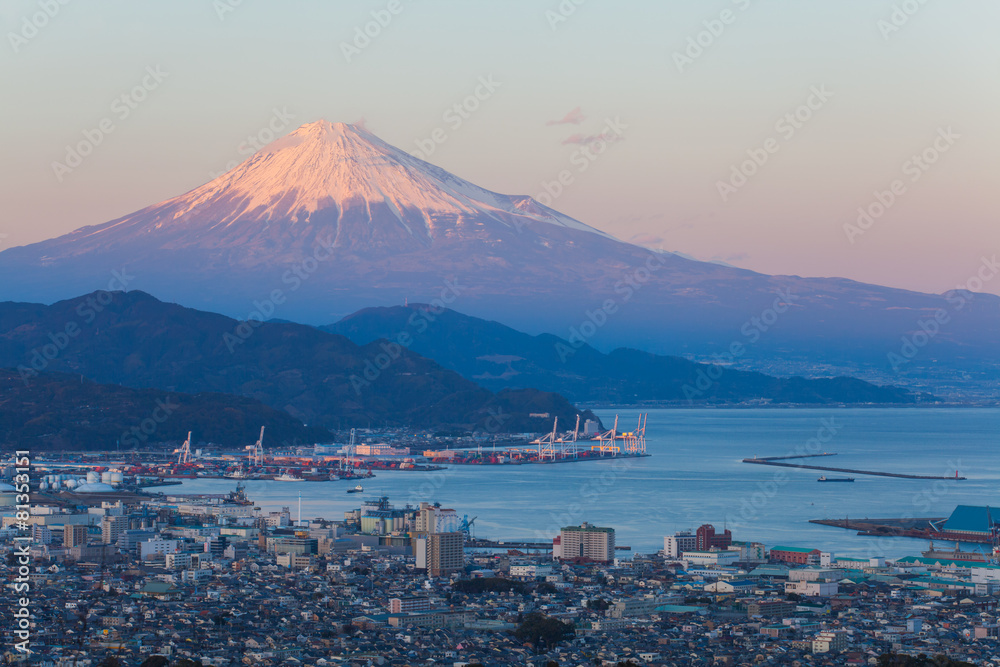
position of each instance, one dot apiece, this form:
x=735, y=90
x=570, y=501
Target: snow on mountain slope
x=330, y=175
x=332, y=219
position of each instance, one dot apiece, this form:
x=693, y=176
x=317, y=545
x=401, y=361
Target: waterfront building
x=971, y=520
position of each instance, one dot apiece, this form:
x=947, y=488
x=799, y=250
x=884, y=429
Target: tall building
x=74, y=535
x=588, y=542
x=434, y=519
x=440, y=554
x=708, y=539
x=112, y=527
x=675, y=545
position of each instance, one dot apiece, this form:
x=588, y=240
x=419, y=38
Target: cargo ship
x=959, y=555
x=824, y=478
x=357, y=489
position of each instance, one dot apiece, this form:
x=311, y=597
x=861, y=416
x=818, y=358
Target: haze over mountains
x=330, y=219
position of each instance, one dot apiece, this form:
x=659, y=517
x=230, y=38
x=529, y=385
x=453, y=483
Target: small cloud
x=362, y=123
x=587, y=139
x=574, y=117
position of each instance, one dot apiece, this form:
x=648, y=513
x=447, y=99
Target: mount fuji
x=331, y=219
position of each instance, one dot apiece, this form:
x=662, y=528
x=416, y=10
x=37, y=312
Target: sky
x=853, y=138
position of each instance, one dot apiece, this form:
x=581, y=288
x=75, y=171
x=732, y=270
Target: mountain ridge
x=340, y=220
x=497, y=357
x=138, y=341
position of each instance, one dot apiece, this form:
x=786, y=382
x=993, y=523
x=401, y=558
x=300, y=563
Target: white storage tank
x=70, y=483
x=93, y=477
x=105, y=478
x=117, y=477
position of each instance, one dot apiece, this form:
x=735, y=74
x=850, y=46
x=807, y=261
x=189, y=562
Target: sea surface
x=695, y=476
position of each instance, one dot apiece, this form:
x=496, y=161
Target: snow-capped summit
x=330, y=178
x=330, y=219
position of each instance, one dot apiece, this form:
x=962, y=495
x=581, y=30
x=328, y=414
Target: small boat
x=288, y=477
x=824, y=478
x=357, y=489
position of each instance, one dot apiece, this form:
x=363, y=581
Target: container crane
x=184, y=453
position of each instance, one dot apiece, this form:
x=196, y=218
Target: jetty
x=774, y=461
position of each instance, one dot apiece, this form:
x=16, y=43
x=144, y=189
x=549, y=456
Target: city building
x=74, y=535
x=433, y=519
x=440, y=554
x=412, y=603
x=795, y=555
x=112, y=528
x=710, y=558
x=675, y=545
x=750, y=552
x=706, y=538
x=150, y=548
x=829, y=641
x=587, y=542
x=292, y=544
x=380, y=449
x=530, y=571
x=294, y=561
x=812, y=588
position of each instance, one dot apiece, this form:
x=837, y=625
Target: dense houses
x=215, y=579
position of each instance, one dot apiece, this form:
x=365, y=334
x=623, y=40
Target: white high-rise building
x=675, y=545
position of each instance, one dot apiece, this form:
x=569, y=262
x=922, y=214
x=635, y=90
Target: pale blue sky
x=684, y=129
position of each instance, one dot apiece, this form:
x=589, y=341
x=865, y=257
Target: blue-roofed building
x=972, y=520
